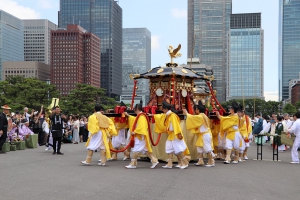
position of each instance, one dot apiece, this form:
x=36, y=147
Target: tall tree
x=18, y=92
x=289, y=108
x=83, y=98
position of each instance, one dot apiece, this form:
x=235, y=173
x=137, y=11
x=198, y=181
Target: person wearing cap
x=101, y=128
x=57, y=130
x=169, y=123
x=24, y=129
x=230, y=125
x=3, y=125
x=199, y=124
x=139, y=130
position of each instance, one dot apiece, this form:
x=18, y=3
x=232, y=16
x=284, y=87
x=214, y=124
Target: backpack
x=258, y=126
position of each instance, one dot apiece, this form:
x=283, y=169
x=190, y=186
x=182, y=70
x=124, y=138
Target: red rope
x=130, y=144
x=149, y=131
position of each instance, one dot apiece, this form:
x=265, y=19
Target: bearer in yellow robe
x=101, y=128
x=200, y=124
x=246, y=130
x=118, y=142
x=139, y=130
x=230, y=125
x=169, y=123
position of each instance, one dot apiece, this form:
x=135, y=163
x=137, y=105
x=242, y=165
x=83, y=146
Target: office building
x=201, y=69
x=136, y=60
x=27, y=69
x=245, y=57
x=104, y=19
x=11, y=39
x=289, y=45
x=75, y=58
x=208, y=25
x=37, y=40
x=295, y=93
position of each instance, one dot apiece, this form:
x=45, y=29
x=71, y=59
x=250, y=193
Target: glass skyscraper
x=37, y=42
x=208, y=26
x=136, y=60
x=289, y=45
x=104, y=19
x=11, y=39
x=245, y=57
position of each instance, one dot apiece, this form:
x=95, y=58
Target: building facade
x=208, y=25
x=11, y=39
x=75, y=58
x=202, y=69
x=289, y=45
x=104, y=19
x=136, y=60
x=37, y=40
x=295, y=93
x=27, y=69
x=245, y=57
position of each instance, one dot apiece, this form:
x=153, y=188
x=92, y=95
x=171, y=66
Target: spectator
x=76, y=130
x=279, y=129
x=24, y=129
x=81, y=128
x=67, y=136
x=286, y=122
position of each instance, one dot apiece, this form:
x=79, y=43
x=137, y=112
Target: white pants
x=139, y=145
x=235, y=143
x=224, y=141
x=294, y=152
x=119, y=140
x=206, y=144
x=243, y=147
x=175, y=146
x=96, y=142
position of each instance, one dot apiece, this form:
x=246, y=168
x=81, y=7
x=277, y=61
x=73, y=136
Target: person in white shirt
x=287, y=123
x=76, y=127
x=295, y=129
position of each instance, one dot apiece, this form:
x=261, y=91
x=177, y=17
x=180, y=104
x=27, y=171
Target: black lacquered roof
x=170, y=70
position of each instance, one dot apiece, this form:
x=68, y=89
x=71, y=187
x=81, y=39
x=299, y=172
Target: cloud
x=22, y=12
x=155, y=42
x=176, y=13
x=48, y=4
x=271, y=95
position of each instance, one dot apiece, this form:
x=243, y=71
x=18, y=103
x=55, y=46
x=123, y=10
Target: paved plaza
x=34, y=174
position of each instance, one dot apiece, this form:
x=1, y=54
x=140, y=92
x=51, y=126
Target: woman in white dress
x=76, y=127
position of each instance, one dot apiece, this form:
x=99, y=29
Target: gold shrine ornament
x=160, y=71
x=184, y=71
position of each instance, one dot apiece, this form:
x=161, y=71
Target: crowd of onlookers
x=270, y=126
x=26, y=123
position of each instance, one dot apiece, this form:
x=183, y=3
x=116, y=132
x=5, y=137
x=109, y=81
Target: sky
x=167, y=22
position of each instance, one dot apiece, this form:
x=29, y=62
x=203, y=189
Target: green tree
x=297, y=105
x=255, y=105
x=18, y=92
x=289, y=108
x=83, y=98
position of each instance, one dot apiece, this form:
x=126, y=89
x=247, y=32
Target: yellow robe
x=227, y=124
x=108, y=131
x=215, y=130
x=119, y=125
x=162, y=125
x=243, y=128
x=141, y=129
x=194, y=122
